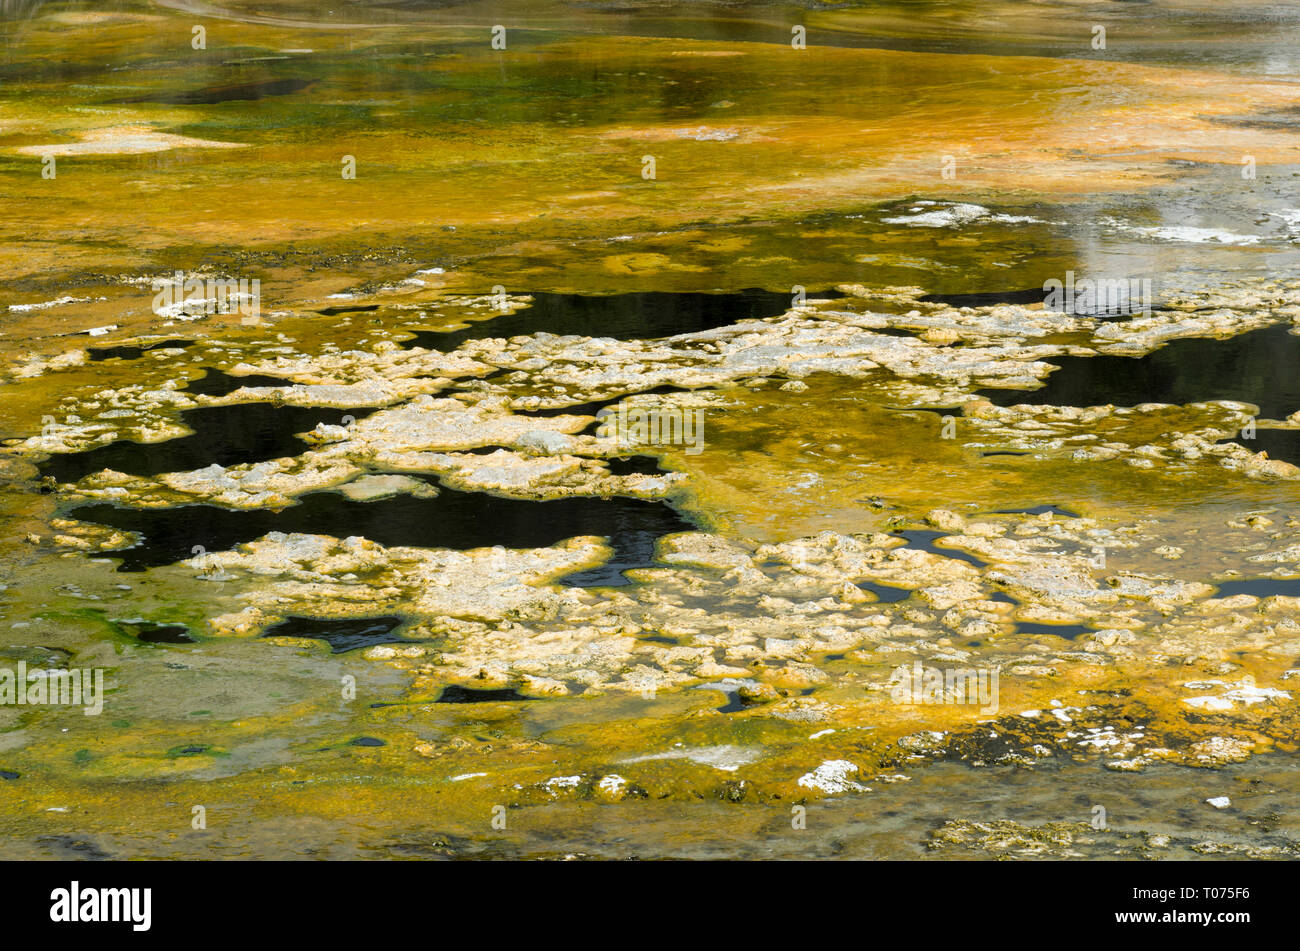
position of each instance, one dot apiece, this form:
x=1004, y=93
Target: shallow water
x=1090, y=585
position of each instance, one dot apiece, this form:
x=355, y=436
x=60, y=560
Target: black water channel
x=341, y=634
x=634, y=316
x=453, y=519
x=242, y=433
x=1255, y=367
x=246, y=433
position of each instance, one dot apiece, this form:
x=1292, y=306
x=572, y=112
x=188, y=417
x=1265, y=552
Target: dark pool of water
x=734, y=704
x=1123, y=306
x=896, y=332
x=1068, y=631
x=219, y=383
x=925, y=541
x=1257, y=367
x=1039, y=510
x=135, y=352
x=634, y=465
x=226, y=435
x=228, y=92
x=643, y=315
x=348, y=309
x=940, y=410
x=1033, y=295
x=576, y=409
x=152, y=633
x=1260, y=587
x=342, y=635
x=454, y=693
x=886, y=594
x=453, y=519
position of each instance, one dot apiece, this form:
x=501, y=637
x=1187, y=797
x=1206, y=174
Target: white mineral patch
x=1190, y=235
x=483, y=583
x=1291, y=221
x=57, y=302
x=1246, y=695
x=368, y=488
x=726, y=758
x=952, y=215
x=563, y=782
x=124, y=140
x=832, y=776
x=612, y=785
